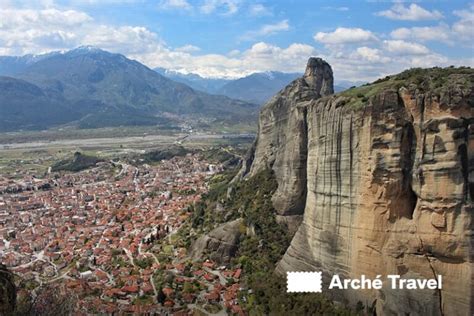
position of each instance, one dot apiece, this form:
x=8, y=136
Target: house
x=189, y=298
x=168, y=303
x=236, y=309
x=212, y=297
x=209, y=264
x=209, y=277
x=130, y=289
x=86, y=275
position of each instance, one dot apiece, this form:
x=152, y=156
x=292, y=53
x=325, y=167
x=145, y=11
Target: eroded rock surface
x=282, y=139
x=220, y=244
x=386, y=184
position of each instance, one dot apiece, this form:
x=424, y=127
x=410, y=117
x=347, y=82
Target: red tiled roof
x=168, y=303
x=212, y=296
x=130, y=289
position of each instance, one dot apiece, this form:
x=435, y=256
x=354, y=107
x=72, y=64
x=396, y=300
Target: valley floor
x=107, y=234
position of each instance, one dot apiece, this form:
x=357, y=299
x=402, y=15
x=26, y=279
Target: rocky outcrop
x=220, y=244
x=7, y=291
x=385, y=177
x=282, y=139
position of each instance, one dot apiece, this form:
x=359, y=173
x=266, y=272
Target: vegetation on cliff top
x=437, y=80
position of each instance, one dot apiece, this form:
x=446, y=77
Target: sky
x=362, y=40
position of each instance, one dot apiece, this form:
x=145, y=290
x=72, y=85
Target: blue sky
x=362, y=40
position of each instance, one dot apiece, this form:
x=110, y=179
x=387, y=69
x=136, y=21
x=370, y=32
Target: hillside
x=257, y=87
x=13, y=65
x=105, y=89
x=25, y=106
x=195, y=81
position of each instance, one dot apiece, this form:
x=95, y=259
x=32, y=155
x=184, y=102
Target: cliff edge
x=383, y=178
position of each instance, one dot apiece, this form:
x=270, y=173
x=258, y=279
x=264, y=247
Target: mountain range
x=257, y=88
x=12, y=65
x=89, y=87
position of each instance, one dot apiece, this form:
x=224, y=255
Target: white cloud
x=430, y=60
x=14, y=19
x=259, y=10
x=344, y=35
x=371, y=54
x=274, y=28
x=461, y=32
x=233, y=53
x=25, y=31
x=336, y=8
x=124, y=39
x=175, y=4
x=413, y=12
x=97, y=2
x=267, y=29
x=367, y=63
x=13, y=4
x=440, y=33
x=188, y=49
x=224, y=7
x=36, y=31
x=366, y=58
x=464, y=28
x=405, y=48
x=259, y=57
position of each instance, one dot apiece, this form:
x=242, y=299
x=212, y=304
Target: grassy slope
x=436, y=79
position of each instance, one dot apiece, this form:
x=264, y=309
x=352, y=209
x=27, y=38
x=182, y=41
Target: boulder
x=220, y=244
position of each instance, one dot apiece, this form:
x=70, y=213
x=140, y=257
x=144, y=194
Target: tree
x=161, y=297
x=188, y=287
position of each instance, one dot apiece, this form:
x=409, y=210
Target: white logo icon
x=298, y=282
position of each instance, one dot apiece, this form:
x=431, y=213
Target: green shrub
x=145, y=262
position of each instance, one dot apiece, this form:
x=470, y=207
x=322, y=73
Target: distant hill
x=12, y=65
x=341, y=85
x=24, y=105
x=195, y=81
x=256, y=88
x=98, y=89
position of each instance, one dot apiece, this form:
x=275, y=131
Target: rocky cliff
x=7, y=291
x=383, y=176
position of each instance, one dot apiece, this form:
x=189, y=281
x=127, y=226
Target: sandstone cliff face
x=386, y=184
x=282, y=139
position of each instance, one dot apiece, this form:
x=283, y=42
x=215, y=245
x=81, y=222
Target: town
x=108, y=234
